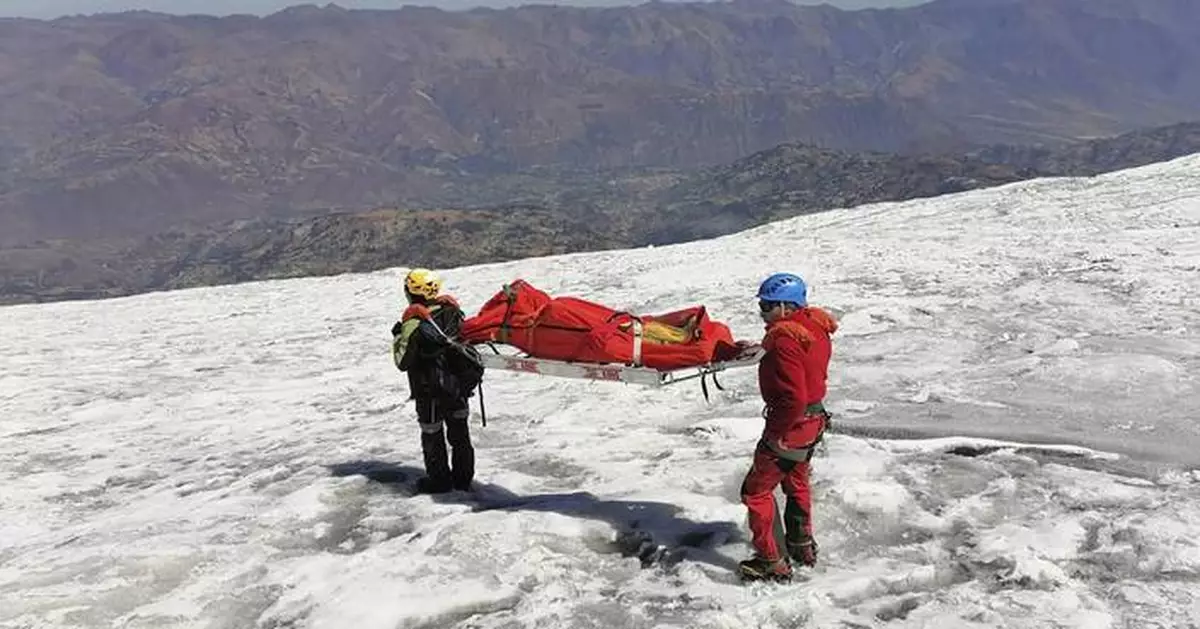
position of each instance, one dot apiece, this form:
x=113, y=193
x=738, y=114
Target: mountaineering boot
x=803, y=553
x=760, y=568
x=431, y=485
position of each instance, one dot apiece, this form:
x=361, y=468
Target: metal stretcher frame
x=614, y=372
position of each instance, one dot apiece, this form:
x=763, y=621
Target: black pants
x=442, y=421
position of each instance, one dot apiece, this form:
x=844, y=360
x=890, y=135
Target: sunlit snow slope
x=241, y=457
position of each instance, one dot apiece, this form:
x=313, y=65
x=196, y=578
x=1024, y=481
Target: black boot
x=763, y=569
x=430, y=485
x=803, y=552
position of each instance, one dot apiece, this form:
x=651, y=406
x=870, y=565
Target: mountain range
x=585, y=212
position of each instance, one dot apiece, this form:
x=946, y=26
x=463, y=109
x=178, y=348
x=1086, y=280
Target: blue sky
x=55, y=8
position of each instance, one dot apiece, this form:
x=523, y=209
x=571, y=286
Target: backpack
x=463, y=362
x=466, y=364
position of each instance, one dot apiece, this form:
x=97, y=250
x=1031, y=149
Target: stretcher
x=612, y=372
x=573, y=338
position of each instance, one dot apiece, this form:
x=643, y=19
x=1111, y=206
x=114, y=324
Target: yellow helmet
x=423, y=283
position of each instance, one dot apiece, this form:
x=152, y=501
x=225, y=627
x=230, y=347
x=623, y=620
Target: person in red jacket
x=791, y=379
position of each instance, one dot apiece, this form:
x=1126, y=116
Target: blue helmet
x=784, y=287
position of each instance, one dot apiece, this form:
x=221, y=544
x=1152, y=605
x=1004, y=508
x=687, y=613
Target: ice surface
x=242, y=456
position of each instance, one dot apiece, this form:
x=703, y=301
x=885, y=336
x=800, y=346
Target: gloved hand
x=396, y=327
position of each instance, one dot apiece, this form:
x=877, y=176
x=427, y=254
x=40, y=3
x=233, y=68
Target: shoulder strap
x=439, y=329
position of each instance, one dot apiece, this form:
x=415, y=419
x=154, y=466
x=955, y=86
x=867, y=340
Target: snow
x=1016, y=405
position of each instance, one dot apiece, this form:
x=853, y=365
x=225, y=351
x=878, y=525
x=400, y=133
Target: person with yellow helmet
x=420, y=343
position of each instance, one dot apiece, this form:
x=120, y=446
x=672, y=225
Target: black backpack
x=464, y=362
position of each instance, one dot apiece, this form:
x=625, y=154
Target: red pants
x=758, y=493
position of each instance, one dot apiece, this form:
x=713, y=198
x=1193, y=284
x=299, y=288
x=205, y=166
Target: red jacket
x=792, y=373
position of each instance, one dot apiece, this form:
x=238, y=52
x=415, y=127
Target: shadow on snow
x=654, y=532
